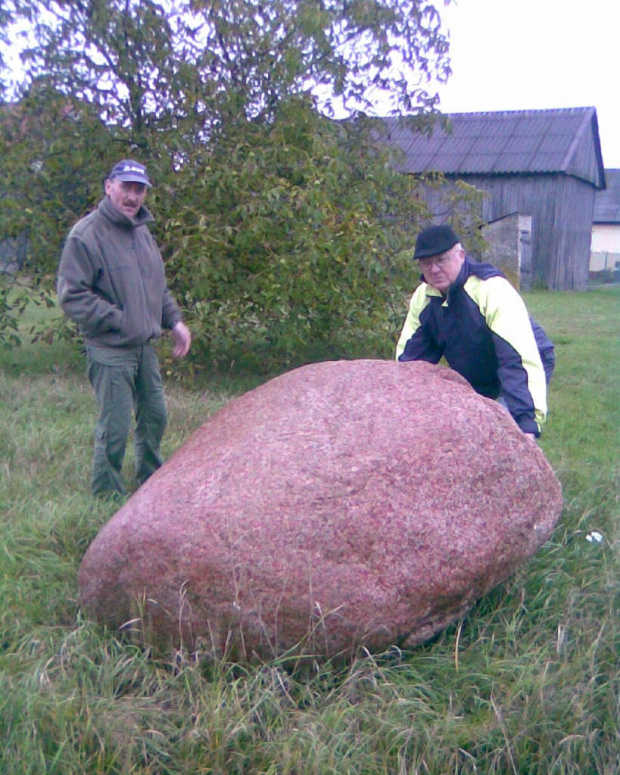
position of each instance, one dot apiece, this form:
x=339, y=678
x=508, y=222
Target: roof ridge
x=584, y=108
x=528, y=111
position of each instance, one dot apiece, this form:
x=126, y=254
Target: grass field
x=528, y=683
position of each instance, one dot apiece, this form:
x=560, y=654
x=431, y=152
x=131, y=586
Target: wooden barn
x=546, y=164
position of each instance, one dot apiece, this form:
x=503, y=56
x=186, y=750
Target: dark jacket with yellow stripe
x=484, y=331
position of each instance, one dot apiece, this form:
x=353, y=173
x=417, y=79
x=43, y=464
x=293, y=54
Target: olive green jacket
x=111, y=279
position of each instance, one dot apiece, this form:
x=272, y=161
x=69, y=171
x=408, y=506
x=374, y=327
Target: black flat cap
x=434, y=240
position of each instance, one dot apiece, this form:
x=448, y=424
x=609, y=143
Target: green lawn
x=528, y=683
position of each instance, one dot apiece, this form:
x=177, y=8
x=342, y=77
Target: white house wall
x=605, y=238
x=605, y=247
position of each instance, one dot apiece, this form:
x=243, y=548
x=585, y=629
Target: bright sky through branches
x=526, y=54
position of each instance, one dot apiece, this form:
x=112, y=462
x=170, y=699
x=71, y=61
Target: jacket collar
x=470, y=267
x=112, y=213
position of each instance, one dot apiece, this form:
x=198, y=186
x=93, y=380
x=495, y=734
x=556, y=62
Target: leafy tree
x=283, y=229
x=195, y=65
x=49, y=147
x=302, y=224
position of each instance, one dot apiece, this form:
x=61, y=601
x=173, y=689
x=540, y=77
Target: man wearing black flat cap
x=111, y=282
x=470, y=314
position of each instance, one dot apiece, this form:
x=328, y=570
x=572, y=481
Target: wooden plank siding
x=561, y=207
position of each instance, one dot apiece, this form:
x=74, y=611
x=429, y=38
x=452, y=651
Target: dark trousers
x=127, y=381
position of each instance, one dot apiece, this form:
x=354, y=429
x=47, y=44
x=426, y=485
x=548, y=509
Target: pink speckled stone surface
x=343, y=504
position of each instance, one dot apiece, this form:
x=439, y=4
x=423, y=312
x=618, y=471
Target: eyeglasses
x=439, y=261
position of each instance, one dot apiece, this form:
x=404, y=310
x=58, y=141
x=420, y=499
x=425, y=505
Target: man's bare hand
x=182, y=338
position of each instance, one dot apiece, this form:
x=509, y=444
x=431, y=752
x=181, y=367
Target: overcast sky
x=536, y=54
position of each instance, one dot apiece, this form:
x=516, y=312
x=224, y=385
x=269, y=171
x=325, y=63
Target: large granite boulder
x=342, y=504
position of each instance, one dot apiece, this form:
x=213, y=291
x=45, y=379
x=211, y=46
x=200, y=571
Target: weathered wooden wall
x=509, y=248
x=561, y=208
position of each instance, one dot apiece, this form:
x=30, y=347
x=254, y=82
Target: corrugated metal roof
x=505, y=142
x=607, y=203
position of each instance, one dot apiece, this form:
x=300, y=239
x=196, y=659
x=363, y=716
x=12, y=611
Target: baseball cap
x=130, y=171
x=434, y=240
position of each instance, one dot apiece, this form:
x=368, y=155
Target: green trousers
x=126, y=381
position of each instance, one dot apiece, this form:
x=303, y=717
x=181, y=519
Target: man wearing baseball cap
x=470, y=314
x=111, y=282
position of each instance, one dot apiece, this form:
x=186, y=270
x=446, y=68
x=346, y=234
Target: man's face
x=127, y=196
x=442, y=270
